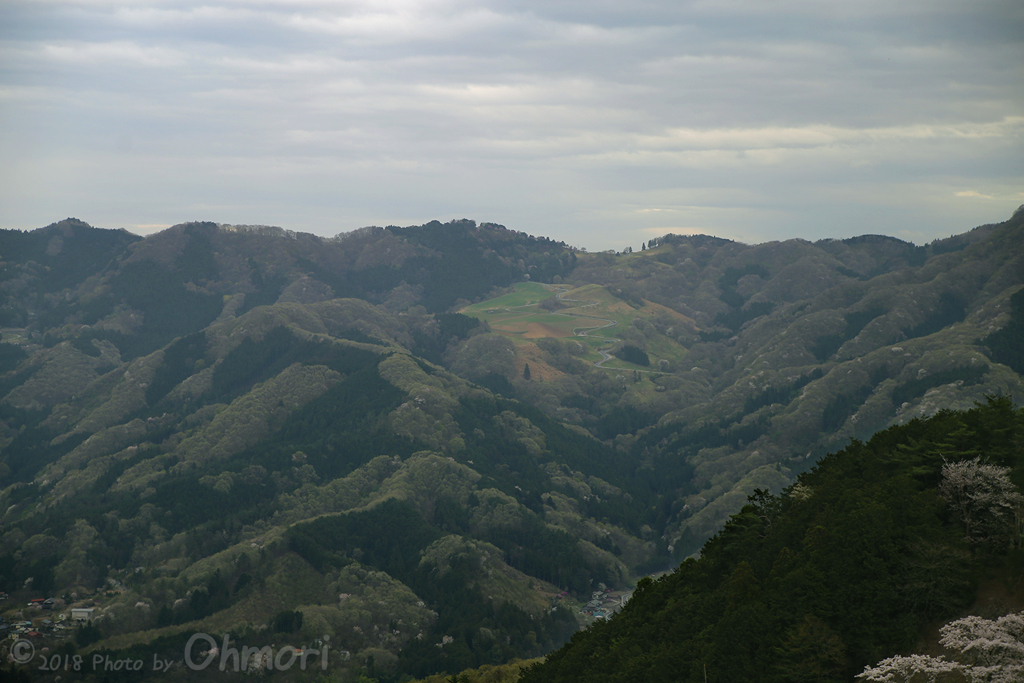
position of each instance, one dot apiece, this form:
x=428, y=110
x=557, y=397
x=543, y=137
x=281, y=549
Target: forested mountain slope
x=194, y=501
x=241, y=429
x=845, y=568
x=758, y=360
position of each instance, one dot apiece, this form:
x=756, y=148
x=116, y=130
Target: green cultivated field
x=517, y=314
x=525, y=294
x=592, y=316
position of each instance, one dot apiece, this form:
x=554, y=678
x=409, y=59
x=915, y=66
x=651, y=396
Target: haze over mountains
x=506, y=423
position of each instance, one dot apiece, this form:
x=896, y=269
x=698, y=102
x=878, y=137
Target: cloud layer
x=600, y=123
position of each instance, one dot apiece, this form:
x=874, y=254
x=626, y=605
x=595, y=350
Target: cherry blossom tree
x=902, y=669
x=987, y=501
x=983, y=651
x=991, y=650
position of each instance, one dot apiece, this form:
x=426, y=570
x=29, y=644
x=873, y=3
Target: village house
x=82, y=613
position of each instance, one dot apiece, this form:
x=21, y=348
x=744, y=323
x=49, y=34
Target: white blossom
x=900, y=669
x=983, y=495
x=997, y=647
x=985, y=651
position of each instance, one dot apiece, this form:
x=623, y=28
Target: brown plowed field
x=539, y=330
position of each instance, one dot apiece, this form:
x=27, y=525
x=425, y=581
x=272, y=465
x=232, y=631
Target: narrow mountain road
x=586, y=331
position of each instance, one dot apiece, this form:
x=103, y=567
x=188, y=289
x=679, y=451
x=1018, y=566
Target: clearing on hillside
x=590, y=314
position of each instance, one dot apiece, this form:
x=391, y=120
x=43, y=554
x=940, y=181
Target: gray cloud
x=601, y=123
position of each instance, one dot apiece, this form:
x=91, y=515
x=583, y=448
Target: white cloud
x=585, y=120
x=113, y=55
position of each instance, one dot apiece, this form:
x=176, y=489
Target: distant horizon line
x=151, y=229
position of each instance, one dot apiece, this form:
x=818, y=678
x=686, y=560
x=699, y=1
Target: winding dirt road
x=585, y=331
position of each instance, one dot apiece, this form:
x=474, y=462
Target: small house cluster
x=51, y=622
x=604, y=603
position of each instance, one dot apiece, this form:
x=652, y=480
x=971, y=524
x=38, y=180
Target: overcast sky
x=595, y=122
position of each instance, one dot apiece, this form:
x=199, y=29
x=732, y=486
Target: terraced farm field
x=518, y=313
x=591, y=315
